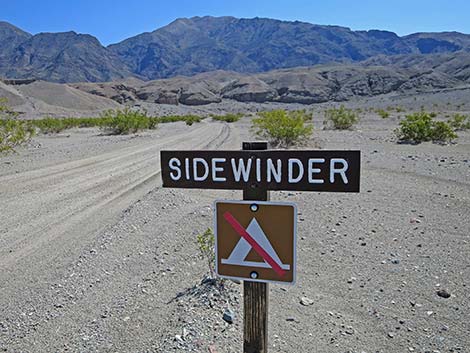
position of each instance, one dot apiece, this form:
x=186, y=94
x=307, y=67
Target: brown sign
x=337, y=171
x=255, y=240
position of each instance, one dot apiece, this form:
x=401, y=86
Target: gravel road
x=96, y=257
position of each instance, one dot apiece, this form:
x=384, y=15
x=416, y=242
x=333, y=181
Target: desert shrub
x=188, y=119
x=12, y=132
x=302, y=114
x=420, y=127
x=191, y=119
x=283, y=128
x=340, y=118
x=228, y=118
x=442, y=132
x=206, y=243
x=460, y=122
x=51, y=125
x=126, y=121
x=115, y=121
x=383, y=114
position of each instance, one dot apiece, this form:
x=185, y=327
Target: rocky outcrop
x=249, y=89
x=305, y=85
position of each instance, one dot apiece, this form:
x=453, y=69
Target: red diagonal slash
x=261, y=252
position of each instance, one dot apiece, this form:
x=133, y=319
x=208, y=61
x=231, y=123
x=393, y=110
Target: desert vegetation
x=384, y=114
x=284, y=128
x=126, y=121
x=340, y=118
x=123, y=121
x=421, y=126
x=206, y=244
x=228, y=118
x=460, y=122
x=12, y=132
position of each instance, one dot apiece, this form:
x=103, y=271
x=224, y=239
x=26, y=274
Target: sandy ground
x=96, y=257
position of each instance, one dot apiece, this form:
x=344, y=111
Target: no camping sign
x=256, y=240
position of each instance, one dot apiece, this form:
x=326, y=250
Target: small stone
x=228, y=316
x=443, y=293
x=352, y=279
x=290, y=318
x=391, y=334
x=306, y=301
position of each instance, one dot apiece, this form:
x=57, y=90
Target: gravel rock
x=306, y=301
x=443, y=293
x=228, y=316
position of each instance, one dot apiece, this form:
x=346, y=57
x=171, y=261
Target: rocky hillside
x=57, y=57
x=203, y=44
x=381, y=75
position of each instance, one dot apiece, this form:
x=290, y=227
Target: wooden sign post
x=256, y=170
x=255, y=294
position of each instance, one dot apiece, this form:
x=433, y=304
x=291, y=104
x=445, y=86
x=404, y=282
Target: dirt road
x=50, y=212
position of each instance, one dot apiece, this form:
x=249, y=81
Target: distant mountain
x=10, y=38
x=58, y=57
x=203, y=44
x=200, y=44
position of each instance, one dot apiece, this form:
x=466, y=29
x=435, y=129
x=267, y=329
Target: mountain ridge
x=190, y=46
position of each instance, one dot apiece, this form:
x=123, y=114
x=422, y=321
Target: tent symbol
x=243, y=248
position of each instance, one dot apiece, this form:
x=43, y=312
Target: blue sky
x=114, y=20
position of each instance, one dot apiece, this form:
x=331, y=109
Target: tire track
x=54, y=208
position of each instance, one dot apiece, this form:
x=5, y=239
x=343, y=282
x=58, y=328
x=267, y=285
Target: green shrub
x=340, y=118
x=188, y=119
x=442, y=132
x=460, y=122
x=12, y=132
x=51, y=125
x=115, y=121
x=205, y=242
x=383, y=114
x=228, y=118
x=420, y=127
x=283, y=128
x=191, y=119
x=126, y=121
